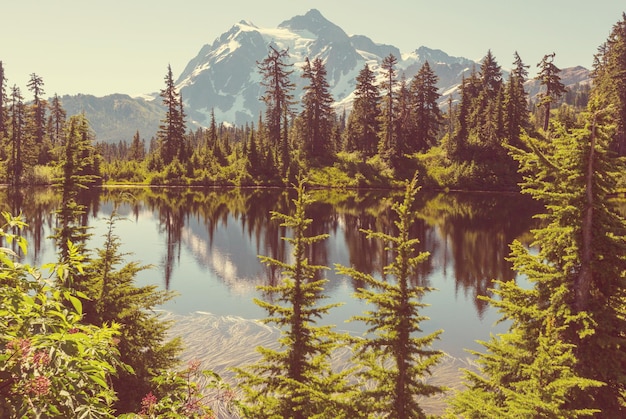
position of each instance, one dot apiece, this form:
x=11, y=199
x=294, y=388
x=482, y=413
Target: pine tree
x=609, y=80
x=3, y=103
x=363, y=123
x=35, y=85
x=278, y=98
x=17, y=114
x=516, y=103
x=171, y=132
x=56, y=120
x=393, y=356
x=114, y=297
x=387, y=143
x=427, y=115
x=296, y=381
x=564, y=353
x=137, y=150
x=403, y=123
x=491, y=76
x=459, y=148
x=487, y=128
x=550, y=80
x=317, y=114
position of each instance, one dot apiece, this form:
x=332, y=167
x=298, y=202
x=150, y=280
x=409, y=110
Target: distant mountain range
x=224, y=76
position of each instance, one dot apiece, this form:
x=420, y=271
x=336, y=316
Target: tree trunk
x=586, y=274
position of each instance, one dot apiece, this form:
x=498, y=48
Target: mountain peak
x=315, y=23
x=245, y=22
x=314, y=14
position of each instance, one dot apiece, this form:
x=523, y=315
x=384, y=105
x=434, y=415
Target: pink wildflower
x=147, y=403
x=192, y=405
x=194, y=365
x=41, y=358
x=38, y=386
x=21, y=345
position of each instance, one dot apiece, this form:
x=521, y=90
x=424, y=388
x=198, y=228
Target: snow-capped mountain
x=224, y=75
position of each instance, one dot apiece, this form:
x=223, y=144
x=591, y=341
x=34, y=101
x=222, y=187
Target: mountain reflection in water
x=204, y=245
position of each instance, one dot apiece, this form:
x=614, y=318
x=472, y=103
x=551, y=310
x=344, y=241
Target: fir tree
x=550, y=80
x=278, y=98
x=114, y=297
x=387, y=143
x=609, y=80
x=3, y=103
x=35, y=85
x=516, y=103
x=564, y=353
x=296, y=381
x=403, y=124
x=56, y=120
x=137, y=150
x=394, y=357
x=427, y=116
x=363, y=123
x=459, y=147
x=487, y=126
x=18, y=123
x=317, y=115
x=171, y=132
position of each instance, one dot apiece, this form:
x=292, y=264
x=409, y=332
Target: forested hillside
x=395, y=127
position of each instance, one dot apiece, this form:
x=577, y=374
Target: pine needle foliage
x=296, y=381
x=563, y=355
x=395, y=357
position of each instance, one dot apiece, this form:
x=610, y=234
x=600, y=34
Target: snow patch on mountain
x=224, y=76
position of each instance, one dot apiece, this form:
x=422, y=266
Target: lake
x=203, y=244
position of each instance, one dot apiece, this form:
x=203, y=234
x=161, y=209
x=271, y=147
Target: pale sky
x=125, y=46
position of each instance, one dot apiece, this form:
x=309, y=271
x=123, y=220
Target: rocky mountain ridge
x=224, y=77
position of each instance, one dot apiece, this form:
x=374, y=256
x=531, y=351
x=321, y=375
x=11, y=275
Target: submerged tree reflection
x=467, y=235
x=476, y=230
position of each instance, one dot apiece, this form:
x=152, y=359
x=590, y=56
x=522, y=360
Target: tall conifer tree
x=79, y=169
x=550, y=80
x=609, y=80
x=296, y=381
x=278, y=98
x=317, y=115
x=387, y=143
x=17, y=112
x=35, y=85
x=516, y=102
x=427, y=115
x=3, y=103
x=137, y=150
x=363, y=123
x=564, y=353
x=171, y=132
x=57, y=118
x=394, y=356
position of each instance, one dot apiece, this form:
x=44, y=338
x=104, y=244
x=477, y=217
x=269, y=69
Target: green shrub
x=51, y=364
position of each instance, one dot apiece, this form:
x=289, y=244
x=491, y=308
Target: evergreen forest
x=79, y=338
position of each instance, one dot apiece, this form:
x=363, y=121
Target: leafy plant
x=51, y=364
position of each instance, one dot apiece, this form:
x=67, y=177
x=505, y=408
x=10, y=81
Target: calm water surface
x=204, y=246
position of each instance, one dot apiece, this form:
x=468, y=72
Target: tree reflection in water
x=475, y=232
x=466, y=233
